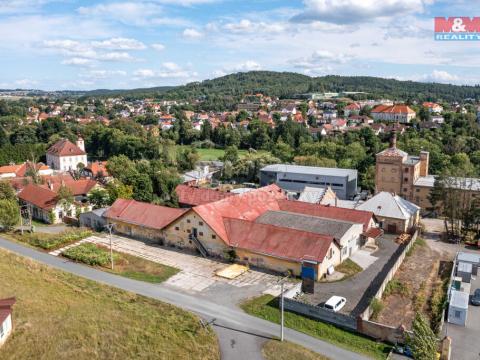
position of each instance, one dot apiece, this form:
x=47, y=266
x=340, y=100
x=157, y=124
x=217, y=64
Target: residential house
x=395, y=113
x=199, y=176
x=141, y=220
x=6, y=322
x=433, y=107
x=394, y=214
x=22, y=170
x=65, y=156
x=94, y=219
x=96, y=169
x=351, y=109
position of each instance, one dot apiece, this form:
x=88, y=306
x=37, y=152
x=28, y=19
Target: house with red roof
x=22, y=170
x=65, y=155
x=96, y=169
x=433, y=107
x=6, y=323
x=44, y=204
x=398, y=113
x=141, y=220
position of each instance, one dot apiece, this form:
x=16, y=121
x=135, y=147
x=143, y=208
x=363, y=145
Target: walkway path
x=231, y=318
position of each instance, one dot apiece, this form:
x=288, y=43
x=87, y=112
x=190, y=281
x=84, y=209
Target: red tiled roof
x=39, y=196
x=143, y=214
x=277, y=241
x=396, y=109
x=329, y=212
x=247, y=206
x=65, y=147
x=193, y=196
x=77, y=187
x=8, y=169
x=6, y=308
x=97, y=167
x=373, y=232
x=21, y=169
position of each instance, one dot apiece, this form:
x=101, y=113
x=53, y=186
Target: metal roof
x=472, y=184
x=468, y=257
x=311, y=170
x=464, y=267
x=459, y=299
x=388, y=205
x=313, y=224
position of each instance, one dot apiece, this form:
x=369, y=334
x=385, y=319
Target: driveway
x=197, y=274
x=355, y=288
x=465, y=340
x=226, y=317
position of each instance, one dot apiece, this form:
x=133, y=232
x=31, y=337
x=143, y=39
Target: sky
x=86, y=44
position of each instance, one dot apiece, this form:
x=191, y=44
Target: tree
x=424, y=114
x=9, y=214
x=7, y=192
x=231, y=154
x=65, y=198
x=99, y=198
x=423, y=342
x=117, y=190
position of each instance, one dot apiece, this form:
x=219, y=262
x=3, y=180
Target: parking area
x=197, y=274
x=355, y=289
x=465, y=340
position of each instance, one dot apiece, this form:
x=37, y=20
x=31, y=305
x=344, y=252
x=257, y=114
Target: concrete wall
x=382, y=332
x=7, y=329
x=319, y=313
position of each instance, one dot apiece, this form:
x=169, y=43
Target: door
x=392, y=228
x=195, y=232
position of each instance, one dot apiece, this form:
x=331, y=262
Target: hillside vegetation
x=228, y=89
x=62, y=316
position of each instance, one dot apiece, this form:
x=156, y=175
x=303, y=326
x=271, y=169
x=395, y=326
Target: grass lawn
x=349, y=268
x=50, y=242
x=277, y=350
x=216, y=154
x=123, y=264
x=266, y=307
x=62, y=316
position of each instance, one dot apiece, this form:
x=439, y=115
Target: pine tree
x=423, y=343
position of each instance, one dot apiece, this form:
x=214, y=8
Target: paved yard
x=465, y=344
x=197, y=274
x=364, y=258
x=355, y=288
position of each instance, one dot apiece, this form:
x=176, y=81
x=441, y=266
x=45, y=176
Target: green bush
x=395, y=286
x=376, y=306
x=89, y=254
x=53, y=241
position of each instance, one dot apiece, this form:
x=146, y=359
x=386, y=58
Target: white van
x=335, y=303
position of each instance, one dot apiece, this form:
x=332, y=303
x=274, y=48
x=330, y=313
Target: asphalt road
x=251, y=331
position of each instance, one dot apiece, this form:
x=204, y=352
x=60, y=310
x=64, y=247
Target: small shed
x=464, y=271
x=458, y=308
x=470, y=258
x=6, y=323
x=93, y=219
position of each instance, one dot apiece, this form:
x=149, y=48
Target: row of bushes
x=54, y=241
x=90, y=254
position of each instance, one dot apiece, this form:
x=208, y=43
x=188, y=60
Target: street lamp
x=282, y=318
x=109, y=227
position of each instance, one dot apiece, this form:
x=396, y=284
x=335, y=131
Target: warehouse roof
x=391, y=206
x=311, y=170
x=193, y=196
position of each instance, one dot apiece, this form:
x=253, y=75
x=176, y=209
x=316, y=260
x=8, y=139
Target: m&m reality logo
x=457, y=28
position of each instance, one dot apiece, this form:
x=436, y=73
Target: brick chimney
x=424, y=163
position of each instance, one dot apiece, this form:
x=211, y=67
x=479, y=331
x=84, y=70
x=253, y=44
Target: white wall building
x=65, y=156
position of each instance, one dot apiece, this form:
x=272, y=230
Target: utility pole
x=110, y=228
x=282, y=317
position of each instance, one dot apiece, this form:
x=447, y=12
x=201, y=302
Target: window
x=417, y=190
x=406, y=170
x=189, y=231
x=200, y=223
x=188, y=221
x=458, y=314
x=177, y=228
x=200, y=233
x=405, y=190
x=405, y=179
x=214, y=236
x=2, y=333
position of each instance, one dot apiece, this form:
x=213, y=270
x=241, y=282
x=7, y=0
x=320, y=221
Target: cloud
x=168, y=70
x=119, y=44
x=103, y=74
x=76, y=61
x=21, y=6
x=249, y=65
x=357, y=11
x=441, y=76
x=132, y=13
x=26, y=82
x=246, y=25
x=192, y=33
x=158, y=47
x=320, y=61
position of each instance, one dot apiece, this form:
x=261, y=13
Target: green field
x=62, y=316
x=266, y=307
x=215, y=154
x=276, y=350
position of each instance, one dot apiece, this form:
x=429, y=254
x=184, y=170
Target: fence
x=319, y=313
x=393, y=264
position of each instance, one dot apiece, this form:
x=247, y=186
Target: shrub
x=376, y=306
x=395, y=286
x=89, y=254
x=53, y=241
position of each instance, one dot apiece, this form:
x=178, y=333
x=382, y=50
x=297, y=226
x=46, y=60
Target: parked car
x=335, y=303
x=476, y=298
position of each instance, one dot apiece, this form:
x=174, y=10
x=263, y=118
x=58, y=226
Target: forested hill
x=230, y=88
